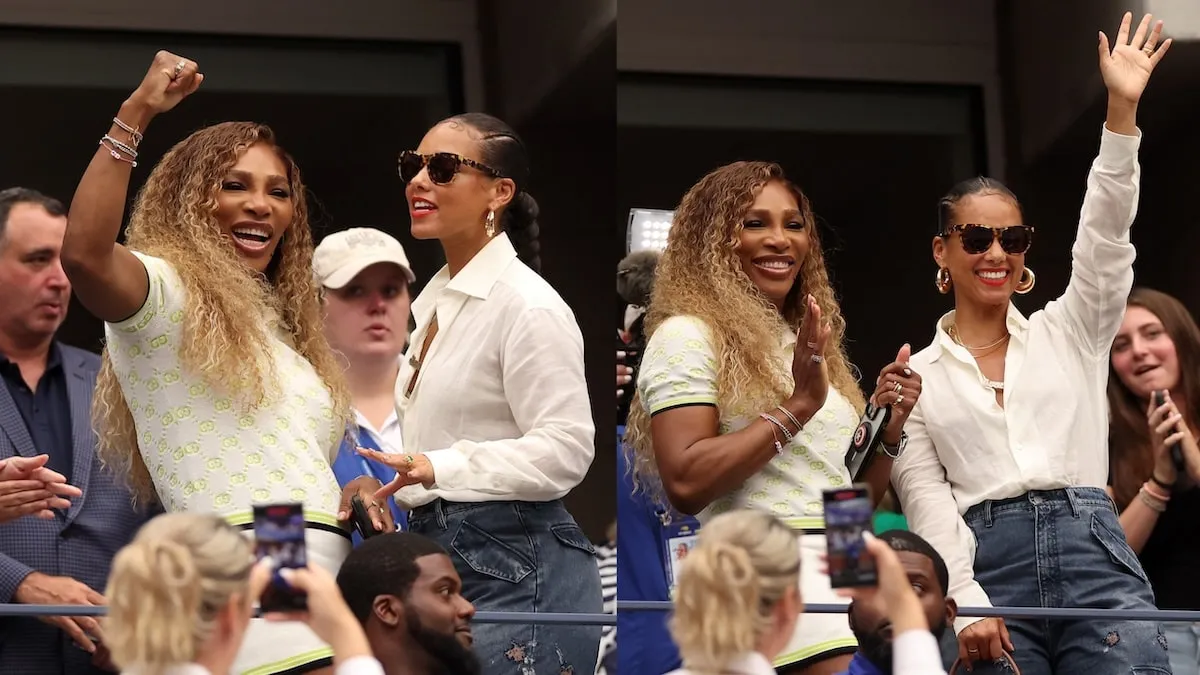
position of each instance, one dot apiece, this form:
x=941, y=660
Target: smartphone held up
x=279, y=535
x=848, y=514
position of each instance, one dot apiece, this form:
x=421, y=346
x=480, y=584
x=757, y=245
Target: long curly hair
x=174, y=218
x=699, y=275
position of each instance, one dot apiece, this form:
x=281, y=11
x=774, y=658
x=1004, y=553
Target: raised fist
x=170, y=79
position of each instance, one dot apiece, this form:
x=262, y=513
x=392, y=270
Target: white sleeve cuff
x=916, y=652
x=1118, y=150
x=448, y=465
x=360, y=665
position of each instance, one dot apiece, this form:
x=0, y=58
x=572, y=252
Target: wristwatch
x=894, y=451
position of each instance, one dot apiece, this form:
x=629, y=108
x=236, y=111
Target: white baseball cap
x=342, y=255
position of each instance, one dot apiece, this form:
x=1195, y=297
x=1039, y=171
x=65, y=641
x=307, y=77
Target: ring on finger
x=812, y=345
x=899, y=399
x=409, y=460
x=179, y=68
x=897, y=387
x=972, y=651
x=817, y=358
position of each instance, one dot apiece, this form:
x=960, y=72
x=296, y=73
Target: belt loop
x=987, y=513
x=1073, y=500
x=439, y=511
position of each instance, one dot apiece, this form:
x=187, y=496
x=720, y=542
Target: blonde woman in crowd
x=745, y=396
x=182, y=593
x=739, y=602
x=218, y=389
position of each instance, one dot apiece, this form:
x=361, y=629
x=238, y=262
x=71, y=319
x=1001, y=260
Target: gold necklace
x=997, y=385
x=953, y=331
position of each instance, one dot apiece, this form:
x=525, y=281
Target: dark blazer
x=81, y=546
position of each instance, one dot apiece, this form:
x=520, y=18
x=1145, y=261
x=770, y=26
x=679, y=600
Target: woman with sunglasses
x=493, y=403
x=1011, y=430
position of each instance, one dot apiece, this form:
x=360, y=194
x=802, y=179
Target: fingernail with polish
x=907, y=371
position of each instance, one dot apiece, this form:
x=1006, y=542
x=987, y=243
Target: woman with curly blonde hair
x=733, y=407
x=218, y=389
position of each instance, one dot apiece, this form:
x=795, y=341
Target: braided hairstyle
x=501, y=149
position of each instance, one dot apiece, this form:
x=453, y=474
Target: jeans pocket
x=569, y=534
x=490, y=556
x=1116, y=546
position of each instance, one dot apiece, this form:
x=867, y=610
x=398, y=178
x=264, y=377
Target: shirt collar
x=1016, y=323
x=481, y=272
x=54, y=357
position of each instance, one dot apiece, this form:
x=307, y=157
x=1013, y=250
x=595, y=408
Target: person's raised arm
x=109, y=280
x=1103, y=254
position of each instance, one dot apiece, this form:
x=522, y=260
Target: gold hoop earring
x=1024, y=286
x=943, y=281
x=489, y=225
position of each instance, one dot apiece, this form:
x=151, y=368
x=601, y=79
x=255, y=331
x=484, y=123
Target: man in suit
x=45, y=408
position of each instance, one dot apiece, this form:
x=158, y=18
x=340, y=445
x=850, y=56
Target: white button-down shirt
x=1052, y=432
x=501, y=405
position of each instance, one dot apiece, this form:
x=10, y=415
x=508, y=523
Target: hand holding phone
x=848, y=514
x=1176, y=449
x=865, y=439
x=361, y=519
x=279, y=535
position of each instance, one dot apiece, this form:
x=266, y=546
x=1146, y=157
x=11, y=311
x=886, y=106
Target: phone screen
x=848, y=514
x=279, y=534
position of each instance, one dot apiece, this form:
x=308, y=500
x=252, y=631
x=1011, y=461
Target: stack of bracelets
x=125, y=152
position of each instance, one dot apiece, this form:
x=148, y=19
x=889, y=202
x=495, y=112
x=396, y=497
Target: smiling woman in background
x=1157, y=349
x=218, y=389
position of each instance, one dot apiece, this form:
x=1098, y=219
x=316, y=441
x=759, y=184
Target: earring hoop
x=489, y=225
x=943, y=280
x=1023, y=285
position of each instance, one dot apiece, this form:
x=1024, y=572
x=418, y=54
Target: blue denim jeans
x=521, y=557
x=1183, y=644
x=1066, y=548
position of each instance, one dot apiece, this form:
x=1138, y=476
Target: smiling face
x=1143, y=354
x=254, y=205
x=773, y=241
x=988, y=278
x=455, y=210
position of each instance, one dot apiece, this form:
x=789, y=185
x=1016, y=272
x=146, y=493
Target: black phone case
x=1177, y=449
x=361, y=519
x=865, y=438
